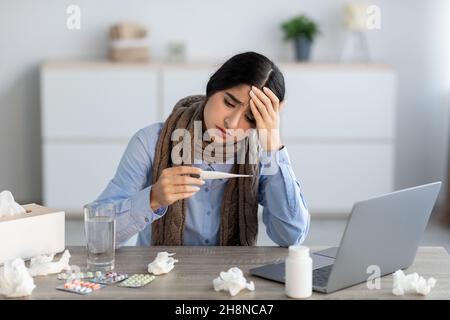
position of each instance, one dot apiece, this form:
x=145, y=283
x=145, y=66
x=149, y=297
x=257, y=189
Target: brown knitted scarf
x=239, y=221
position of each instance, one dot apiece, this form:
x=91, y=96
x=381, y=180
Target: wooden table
x=197, y=267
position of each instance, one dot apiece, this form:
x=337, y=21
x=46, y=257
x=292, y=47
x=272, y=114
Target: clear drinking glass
x=100, y=231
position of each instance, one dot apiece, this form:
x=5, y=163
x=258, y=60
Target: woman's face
x=228, y=110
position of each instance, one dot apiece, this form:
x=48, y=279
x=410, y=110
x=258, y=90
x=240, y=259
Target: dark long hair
x=249, y=68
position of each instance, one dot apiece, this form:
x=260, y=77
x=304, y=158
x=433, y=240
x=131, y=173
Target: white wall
x=414, y=39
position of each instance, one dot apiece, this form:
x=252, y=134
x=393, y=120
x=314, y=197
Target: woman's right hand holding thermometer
x=174, y=184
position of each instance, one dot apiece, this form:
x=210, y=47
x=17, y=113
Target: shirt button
x=146, y=219
x=206, y=189
x=206, y=241
x=208, y=213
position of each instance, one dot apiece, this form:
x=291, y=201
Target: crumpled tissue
x=163, y=263
x=15, y=281
x=43, y=265
x=233, y=281
x=411, y=283
x=8, y=207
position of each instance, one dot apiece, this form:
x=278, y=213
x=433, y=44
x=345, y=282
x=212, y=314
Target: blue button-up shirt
x=285, y=214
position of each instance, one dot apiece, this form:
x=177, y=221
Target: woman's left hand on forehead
x=266, y=108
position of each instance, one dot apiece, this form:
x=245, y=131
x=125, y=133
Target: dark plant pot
x=302, y=48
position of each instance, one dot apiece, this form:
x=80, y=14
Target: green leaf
x=300, y=26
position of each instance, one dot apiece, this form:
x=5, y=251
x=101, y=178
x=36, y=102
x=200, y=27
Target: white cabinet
x=89, y=113
x=338, y=125
x=76, y=173
x=324, y=104
x=86, y=102
x=333, y=175
x=180, y=82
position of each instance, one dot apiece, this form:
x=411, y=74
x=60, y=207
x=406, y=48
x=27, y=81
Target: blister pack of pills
x=80, y=287
x=137, y=281
x=109, y=277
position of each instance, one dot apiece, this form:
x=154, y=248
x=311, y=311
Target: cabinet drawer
x=178, y=83
x=334, y=176
x=98, y=102
x=339, y=104
x=76, y=174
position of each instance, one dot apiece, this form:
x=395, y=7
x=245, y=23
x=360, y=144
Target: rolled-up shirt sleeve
x=285, y=213
x=130, y=191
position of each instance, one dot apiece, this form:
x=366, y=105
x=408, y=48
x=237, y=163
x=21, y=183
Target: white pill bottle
x=298, y=276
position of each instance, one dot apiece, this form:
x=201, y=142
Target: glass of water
x=100, y=231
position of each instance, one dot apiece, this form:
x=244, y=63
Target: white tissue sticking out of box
x=163, y=263
x=411, y=283
x=15, y=281
x=8, y=207
x=44, y=265
x=232, y=281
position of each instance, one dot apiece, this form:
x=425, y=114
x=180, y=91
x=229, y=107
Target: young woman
x=156, y=188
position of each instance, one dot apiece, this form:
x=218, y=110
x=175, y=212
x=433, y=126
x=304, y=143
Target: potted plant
x=302, y=30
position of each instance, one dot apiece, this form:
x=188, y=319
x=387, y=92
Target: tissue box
x=40, y=230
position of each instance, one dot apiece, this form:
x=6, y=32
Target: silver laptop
x=384, y=231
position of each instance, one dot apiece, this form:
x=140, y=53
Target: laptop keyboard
x=321, y=275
